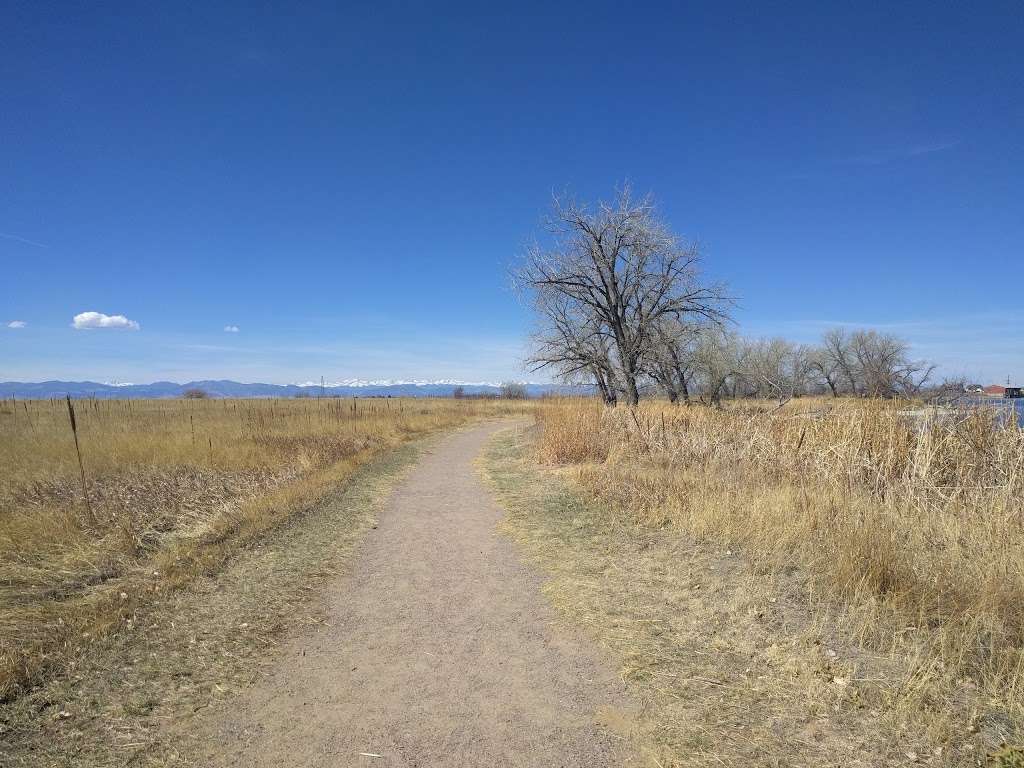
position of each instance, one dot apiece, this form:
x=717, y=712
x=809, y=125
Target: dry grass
x=138, y=695
x=175, y=488
x=727, y=665
x=904, y=533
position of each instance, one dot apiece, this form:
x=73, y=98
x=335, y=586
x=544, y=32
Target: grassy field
x=172, y=491
x=139, y=695
x=890, y=546
x=831, y=583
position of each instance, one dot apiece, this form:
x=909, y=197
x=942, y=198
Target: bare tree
x=513, y=390
x=914, y=377
x=827, y=369
x=671, y=362
x=778, y=368
x=885, y=366
x=571, y=342
x=947, y=391
x=618, y=272
x=720, y=360
x=867, y=363
x=837, y=347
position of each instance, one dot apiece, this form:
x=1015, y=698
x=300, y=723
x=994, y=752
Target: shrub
x=513, y=390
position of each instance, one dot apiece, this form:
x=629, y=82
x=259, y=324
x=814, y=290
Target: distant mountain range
x=227, y=388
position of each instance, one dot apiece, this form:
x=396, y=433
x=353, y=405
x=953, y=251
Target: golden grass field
x=829, y=583
x=175, y=488
x=904, y=533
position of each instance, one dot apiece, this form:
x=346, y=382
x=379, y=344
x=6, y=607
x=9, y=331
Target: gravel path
x=439, y=650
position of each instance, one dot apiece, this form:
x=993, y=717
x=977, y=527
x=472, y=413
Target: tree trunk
x=605, y=388
x=632, y=393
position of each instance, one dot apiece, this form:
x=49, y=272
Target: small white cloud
x=90, y=320
x=8, y=236
x=927, y=149
x=231, y=329
x=17, y=324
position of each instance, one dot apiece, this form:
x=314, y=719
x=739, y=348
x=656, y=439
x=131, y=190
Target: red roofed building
x=995, y=390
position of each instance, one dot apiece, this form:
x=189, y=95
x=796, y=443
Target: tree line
x=621, y=303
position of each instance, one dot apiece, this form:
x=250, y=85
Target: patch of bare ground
x=114, y=700
x=732, y=664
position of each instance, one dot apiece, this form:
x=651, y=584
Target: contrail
x=23, y=240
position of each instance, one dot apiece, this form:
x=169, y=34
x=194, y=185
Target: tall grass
x=161, y=492
x=912, y=522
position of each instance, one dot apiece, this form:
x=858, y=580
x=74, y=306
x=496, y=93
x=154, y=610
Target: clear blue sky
x=348, y=185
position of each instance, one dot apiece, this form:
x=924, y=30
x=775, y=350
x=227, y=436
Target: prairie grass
x=906, y=530
x=724, y=665
x=139, y=695
x=175, y=489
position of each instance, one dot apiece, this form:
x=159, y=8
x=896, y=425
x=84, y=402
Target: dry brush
x=162, y=491
x=908, y=525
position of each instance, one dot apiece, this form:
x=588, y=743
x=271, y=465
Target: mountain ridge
x=230, y=388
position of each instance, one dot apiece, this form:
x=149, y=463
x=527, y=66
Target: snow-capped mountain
x=228, y=388
x=399, y=383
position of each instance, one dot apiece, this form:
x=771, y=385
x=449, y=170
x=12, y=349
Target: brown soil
x=438, y=650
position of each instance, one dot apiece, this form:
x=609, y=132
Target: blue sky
x=348, y=184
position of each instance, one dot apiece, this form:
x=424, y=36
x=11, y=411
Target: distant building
x=974, y=389
x=996, y=390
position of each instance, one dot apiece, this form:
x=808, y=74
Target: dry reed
x=910, y=523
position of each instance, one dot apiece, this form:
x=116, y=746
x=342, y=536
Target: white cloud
x=894, y=154
x=928, y=149
x=17, y=324
x=231, y=329
x=8, y=236
x=89, y=320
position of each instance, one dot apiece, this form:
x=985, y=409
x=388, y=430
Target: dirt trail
x=439, y=650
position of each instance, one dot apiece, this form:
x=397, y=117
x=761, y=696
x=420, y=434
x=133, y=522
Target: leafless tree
x=571, y=342
x=885, y=366
x=614, y=274
x=837, y=350
x=947, y=391
x=720, y=361
x=867, y=363
x=513, y=390
x=778, y=368
x=825, y=367
x=671, y=362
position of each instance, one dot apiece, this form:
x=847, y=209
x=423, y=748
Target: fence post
x=81, y=466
